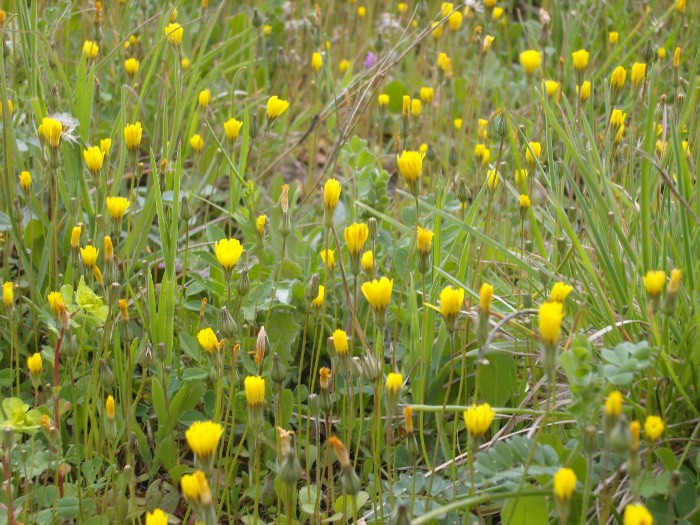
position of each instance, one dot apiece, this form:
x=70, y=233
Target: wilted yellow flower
x=203, y=437
x=478, y=419
x=580, y=58
x=613, y=37
x=613, y=404
x=328, y=258
x=204, y=98
x=427, y=94
x=157, y=517
x=228, y=251
x=383, y=100
x=639, y=71
x=131, y=66
x=320, y=298
x=93, y=158
x=564, y=484
x=355, y=237
x=8, y=293
x=316, y=61
x=174, y=32
x=90, y=49
x=551, y=315
x=675, y=282
x=207, y=340
x=492, y=179
x=117, y=207
x=340, y=342
x=197, y=143
x=424, y=239
x=232, y=127
x=585, y=91
x=454, y=22
x=108, y=248
x=195, y=488
x=254, y=391
x=378, y=294
x=344, y=65
x=260, y=224
x=109, y=407
x=637, y=514
x=533, y=151
x=653, y=428
x=530, y=61
x=25, y=181
x=89, y=255
x=75, y=236
x=340, y=452
x=617, y=79
x=437, y=30
x=331, y=194
x=560, y=291
x=275, y=107
x=132, y=135
x=394, y=382
x=635, y=429
x=51, y=129
x=654, y=282
x=485, y=297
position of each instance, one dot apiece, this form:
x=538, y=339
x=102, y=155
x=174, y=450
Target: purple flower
x=370, y=60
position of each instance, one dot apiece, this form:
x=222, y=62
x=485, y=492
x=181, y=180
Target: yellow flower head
x=340, y=451
x=368, y=262
x=552, y=88
x=105, y=146
x=207, y=340
x=486, y=44
x=405, y=105
x=324, y=377
x=340, y=342
x=25, y=181
x=534, y=151
x=254, y=391
x=613, y=37
x=331, y=194
x=197, y=143
x=157, y=517
x=677, y=57
x=328, y=258
x=203, y=437
x=661, y=53
x=320, y=298
x=228, y=251
x=383, y=100
x=355, y=237
x=56, y=303
x=416, y=107
x=560, y=291
x=195, y=488
x=436, y=30
x=427, y=94
x=275, y=107
x=675, y=283
x=90, y=49
x=117, y=206
x=497, y=14
x=93, y=158
x=478, y=419
x=51, y=129
x=410, y=165
x=89, y=255
x=204, y=98
x=584, y=92
x=8, y=293
x=580, y=58
x=482, y=154
x=485, y=297
x=394, y=382
x=635, y=429
x=455, y=21
x=174, y=32
x=75, y=236
x=424, y=239
x=402, y=7
x=185, y=62
x=316, y=61
x=378, y=293
x=131, y=66
x=613, y=404
x=654, y=282
x=524, y=202
x=344, y=65
x=653, y=428
x=445, y=64
x=617, y=79
x=530, y=61
x=361, y=11
x=260, y=224
x=457, y=123
x=637, y=514
x=680, y=6
x=490, y=4
x=492, y=179
x=34, y=364
x=483, y=128
x=564, y=484
x=109, y=407
x=639, y=71
x=232, y=127
x=551, y=315
x=132, y=135
x=521, y=176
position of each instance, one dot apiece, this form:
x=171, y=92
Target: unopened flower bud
x=227, y=325
x=372, y=226
x=279, y=371
x=312, y=288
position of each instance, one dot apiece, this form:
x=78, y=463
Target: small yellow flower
x=328, y=258
x=654, y=282
x=455, y=21
x=680, y=6
x=675, y=282
x=361, y=11
x=10, y=105
x=521, y=176
x=424, y=239
x=457, y=123
x=89, y=255
x=368, y=262
x=324, y=377
x=564, y=484
x=383, y=100
x=34, y=364
x=530, y=61
x=492, y=179
x=207, y=340
x=75, y=236
x=185, y=62
x=132, y=135
x=228, y=251
x=197, y=143
x=637, y=514
x=677, y=57
x=340, y=342
x=51, y=130
x=552, y=88
x=410, y=165
x=482, y=154
x=613, y=37
x=56, y=303
x=416, y=107
x=394, y=382
x=105, y=146
x=90, y=49
x=560, y=292
x=203, y=437
x=533, y=151
x=131, y=66
x=524, y=202
x=585, y=91
x=483, y=128
x=551, y=315
x=320, y=298
x=174, y=32
x=478, y=419
x=639, y=71
x=340, y=451
x=405, y=105
x=255, y=391
x=378, y=293
x=402, y=7
x=260, y=224
x=445, y=64
x=355, y=237
x=316, y=61
x=618, y=77
x=497, y=13
x=485, y=297
x=436, y=30
x=25, y=181
x=331, y=194
x=486, y=44
x=232, y=127
x=344, y=65
x=653, y=428
x=661, y=53
x=93, y=159
x=267, y=30
x=451, y=300
x=275, y=107
x=613, y=404
x=109, y=407
x=427, y=94
x=204, y=98
x=580, y=59
x=157, y=517
x=117, y=206
x=8, y=293
x=195, y=488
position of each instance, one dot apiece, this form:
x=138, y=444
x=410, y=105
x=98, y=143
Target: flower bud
x=227, y=325
x=372, y=226
x=279, y=372
x=185, y=209
x=312, y=288
x=244, y=282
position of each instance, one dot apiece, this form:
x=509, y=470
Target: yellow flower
x=486, y=45
x=617, y=79
x=109, y=407
x=436, y=30
x=427, y=94
x=8, y=293
x=680, y=6
x=344, y=65
x=195, y=488
x=451, y=300
x=228, y=251
x=483, y=128
x=378, y=294
x=564, y=484
x=56, y=303
x=551, y=87
x=637, y=514
x=492, y=179
x=478, y=419
x=405, y=105
x=383, y=100
x=254, y=391
x=90, y=49
x=93, y=158
x=654, y=282
x=677, y=57
x=613, y=404
x=25, y=181
x=530, y=61
x=424, y=239
x=324, y=377
x=457, y=123
x=534, y=151
x=232, y=127
x=117, y=207
x=10, y=105
x=639, y=70
x=197, y=143
x=368, y=262
x=445, y=64
x=320, y=298
x=394, y=382
x=340, y=342
x=204, y=98
x=207, y=340
x=585, y=91
x=521, y=176
x=355, y=237
x=490, y=4
x=51, y=130
x=328, y=258
x=497, y=13
x=661, y=53
x=260, y=224
x=174, y=32
x=402, y=7
x=361, y=11
x=275, y=107
x=482, y=154
x=551, y=315
x=267, y=30
x=185, y=63
x=524, y=202
x=131, y=65
x=340, y=452
x=675, y=282
x=635, y=428
x=105, y=146
x=203, y=437
x=34, y=364
x=653, y=428
x=485, y=297
x=613, y=37
x=89, y=255
x=416, y=107
x=410, y=165
x=75, y=236
x=157, y=517
x=580, y=58
x=455, y=21
x=316, y=61
x=132, y=135
x=331, y=194
x=560, y=291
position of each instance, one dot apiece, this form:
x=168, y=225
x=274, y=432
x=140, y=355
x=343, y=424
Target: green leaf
x=67, y=507
x=525, y=511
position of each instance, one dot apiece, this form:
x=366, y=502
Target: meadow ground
x=350, y=262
